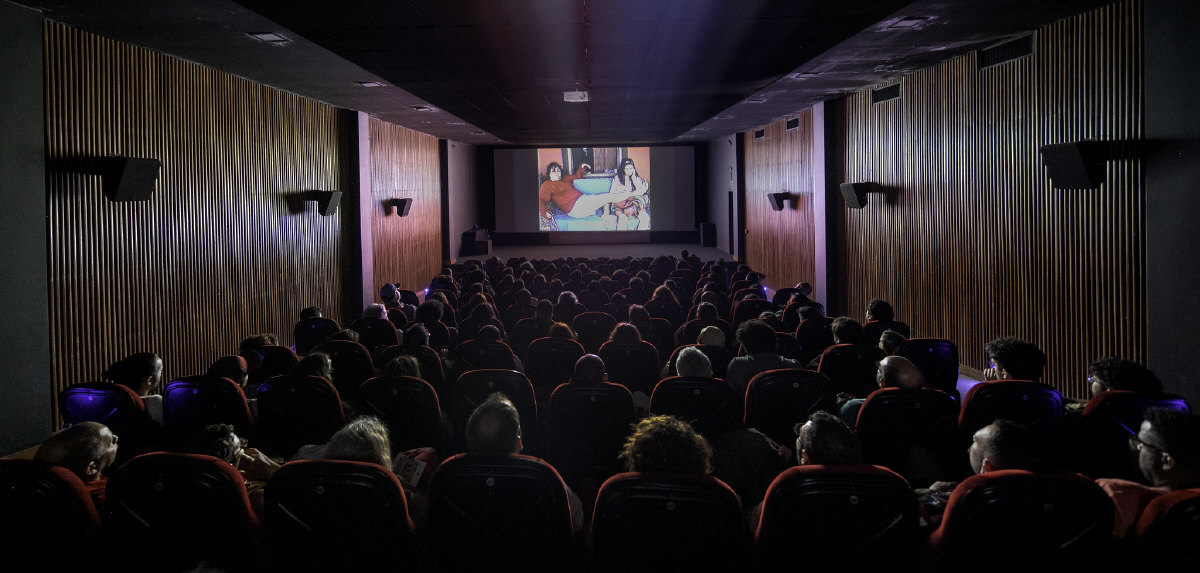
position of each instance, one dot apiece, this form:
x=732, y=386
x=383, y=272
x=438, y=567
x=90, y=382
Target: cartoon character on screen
x=557, y=191
x=634, y=212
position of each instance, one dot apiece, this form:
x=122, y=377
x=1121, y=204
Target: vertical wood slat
x=781, y=244
x=976, y=243
x=216, y=253
x=405, y=164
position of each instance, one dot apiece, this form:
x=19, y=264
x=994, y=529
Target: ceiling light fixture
x=370, y=84
x=576, y=97
x=908, y=22
x=725, y=117
x=801, y=76
x=421, y=108
x=269, y=38
x=756, y=100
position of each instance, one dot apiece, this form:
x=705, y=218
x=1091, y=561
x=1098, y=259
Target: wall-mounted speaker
x=1074, y=165
x=402, y=206
x=855, y=194
x=129, y=178
x=327, y=201
x=778, y=199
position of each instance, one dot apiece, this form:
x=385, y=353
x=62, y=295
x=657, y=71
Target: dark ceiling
x=494, y=71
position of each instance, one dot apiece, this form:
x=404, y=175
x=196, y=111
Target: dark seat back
x=311, y=331
x=481, y=354
x=115, y=406
x=936, y=358
x=593, y=329
x=708, y=404
x=175, y=510
x=1108, y=421
x=550, y=362
x=585, y=427
x=660, y=333
x=875, y=328
x=814, y=336
x=895, y=424
x=631, y=364
x=499, y=513
x=854, y=517
x=352, y=365
x=1057, y=521
x=189, y=404
x=375, y=332
x=749, y=309
x=429, y=361
x=408, y=406
x=852, y=368
x=1034, y=404
x=297, y=410
x=334, y=515
x=1167, y=532
x=268, y=361
x=777, y=399
x=656, y=522
x=37, y=498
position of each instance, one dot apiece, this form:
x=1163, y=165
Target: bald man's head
x=899, y=372
x=86, y=448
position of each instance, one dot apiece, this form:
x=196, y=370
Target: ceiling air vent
x=792, y=123
x=760, y=133
x=885, y=94
x=1006, y=52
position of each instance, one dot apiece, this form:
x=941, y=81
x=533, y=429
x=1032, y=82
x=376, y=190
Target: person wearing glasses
x=221, y=441
x=1167, y=446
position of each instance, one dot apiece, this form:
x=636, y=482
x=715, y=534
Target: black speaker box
x=327, y=202
x=855, y=194
x=130, y=178
x=708, y=234
x=475, y=243
x=1074, y=165
x=402, y=206
x=777, y=200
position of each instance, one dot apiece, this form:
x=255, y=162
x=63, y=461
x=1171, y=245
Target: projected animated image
x=594, y=189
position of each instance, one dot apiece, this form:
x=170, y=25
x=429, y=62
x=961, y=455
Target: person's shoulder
x=1123, y=486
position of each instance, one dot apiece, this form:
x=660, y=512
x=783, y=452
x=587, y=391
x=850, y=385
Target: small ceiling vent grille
x=760, y=133
x=792, y=123
x=886, y=93
x=1007, y=52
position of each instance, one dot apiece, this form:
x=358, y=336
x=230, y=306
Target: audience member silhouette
x=142, y=373
x=87, y=449
x=758, y=341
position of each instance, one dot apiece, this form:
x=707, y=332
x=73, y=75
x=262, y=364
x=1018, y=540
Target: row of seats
x=297, y=410
x=167, y=512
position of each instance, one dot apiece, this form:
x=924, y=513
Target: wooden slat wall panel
x=781, y=244
x=215, y=254
x=975, y=243
x=405, y=163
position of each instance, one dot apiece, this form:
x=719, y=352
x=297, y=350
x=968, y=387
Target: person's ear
x=986, y=466
x=1167, y=462
x=519, y=445
x=804, y=461
x=92, y=470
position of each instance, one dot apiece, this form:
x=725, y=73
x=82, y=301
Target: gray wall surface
x=24, y=293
